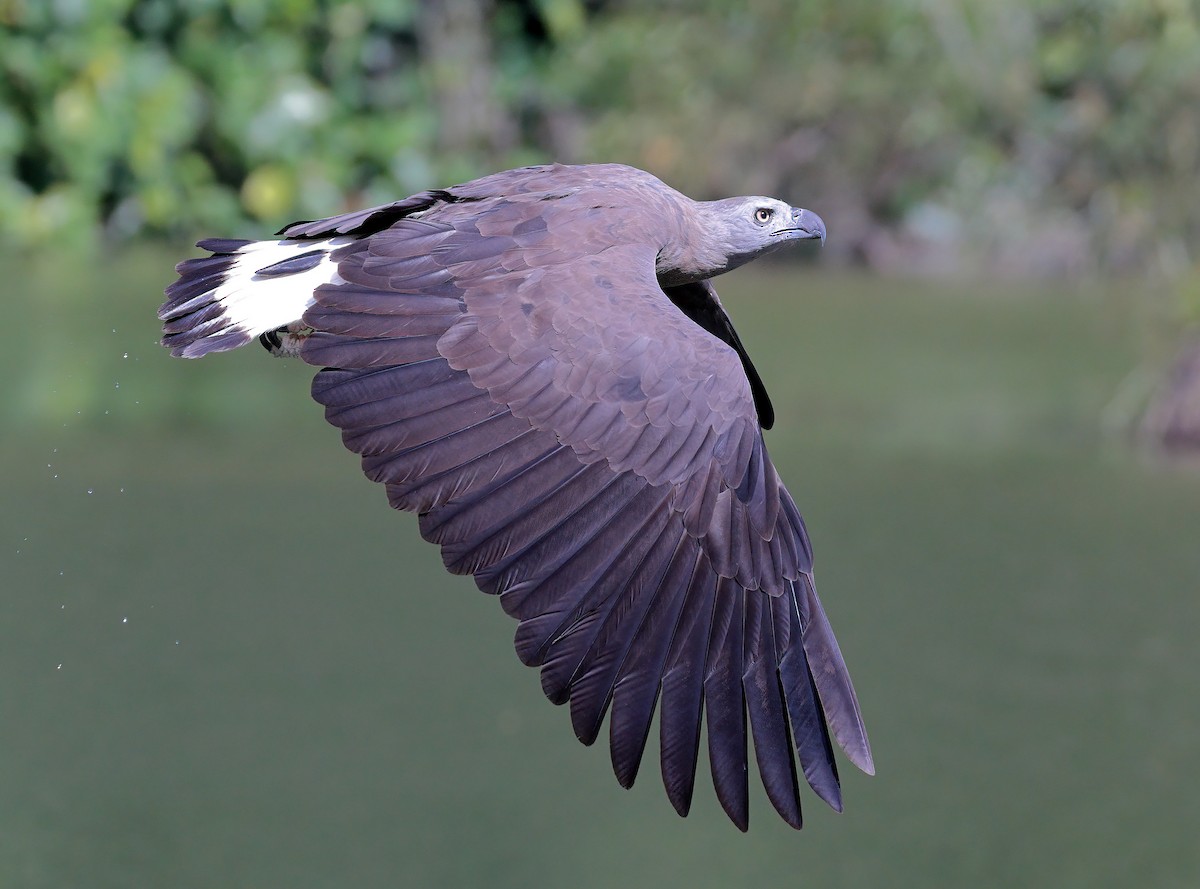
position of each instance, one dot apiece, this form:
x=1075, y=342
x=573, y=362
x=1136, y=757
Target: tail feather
x=244, y=290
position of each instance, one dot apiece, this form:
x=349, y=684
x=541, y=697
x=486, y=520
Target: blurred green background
x=225, y=662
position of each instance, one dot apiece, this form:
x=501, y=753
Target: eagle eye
x=762, y=215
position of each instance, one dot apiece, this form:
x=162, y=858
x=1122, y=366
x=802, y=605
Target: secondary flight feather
x=537, y=364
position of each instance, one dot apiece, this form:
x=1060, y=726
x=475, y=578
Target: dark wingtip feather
x=832, y=680
x=679, y=724
x=725, y=706
x=627, y=770
x=637, y=690
x=809, y=730
x=766, y=706
x=593, y=685
x=681, y=700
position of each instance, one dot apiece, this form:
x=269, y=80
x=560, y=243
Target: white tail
x=244, y=290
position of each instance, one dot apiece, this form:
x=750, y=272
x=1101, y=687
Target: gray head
x=728, y=233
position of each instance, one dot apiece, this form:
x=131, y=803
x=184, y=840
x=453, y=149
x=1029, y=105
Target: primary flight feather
x=536, y=363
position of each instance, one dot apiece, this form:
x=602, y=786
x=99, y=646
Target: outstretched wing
x=511, y=370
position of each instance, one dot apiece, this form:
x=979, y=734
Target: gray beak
x=809, y=225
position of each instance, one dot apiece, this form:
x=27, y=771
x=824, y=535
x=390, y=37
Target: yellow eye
x=762, y=215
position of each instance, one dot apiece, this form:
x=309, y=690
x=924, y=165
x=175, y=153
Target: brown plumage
x=536, y=363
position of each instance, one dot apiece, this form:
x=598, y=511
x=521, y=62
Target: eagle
x=536, y=363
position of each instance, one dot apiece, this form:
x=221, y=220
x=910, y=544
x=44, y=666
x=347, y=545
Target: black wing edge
x=699, y=302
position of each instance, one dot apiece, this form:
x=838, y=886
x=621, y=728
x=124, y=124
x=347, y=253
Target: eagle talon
x=286, y=341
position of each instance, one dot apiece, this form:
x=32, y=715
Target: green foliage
x=1054, y=135
x=168, y=117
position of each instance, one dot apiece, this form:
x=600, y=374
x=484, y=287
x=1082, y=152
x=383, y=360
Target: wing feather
x=583, y=579
x=444, y=452
x=768, y=712
x=595, y=675
x=519, y=577
x=832, y=679
x=725, y=705
x=464, y=479
x=572, y=644
x=683, y=689
x=474, y=540
x=804, y=712
x=640, y=675
x=335, y=350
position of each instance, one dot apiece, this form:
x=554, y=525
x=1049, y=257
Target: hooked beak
x=806, y=226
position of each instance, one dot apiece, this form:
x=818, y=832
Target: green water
x=224, y=662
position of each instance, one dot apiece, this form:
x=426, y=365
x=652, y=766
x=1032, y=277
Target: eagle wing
x=511, y=370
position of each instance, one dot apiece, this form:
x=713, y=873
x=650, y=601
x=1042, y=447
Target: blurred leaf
x=1077, y=117
x=268, y=191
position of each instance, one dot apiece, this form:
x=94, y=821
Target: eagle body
x=537, y=364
